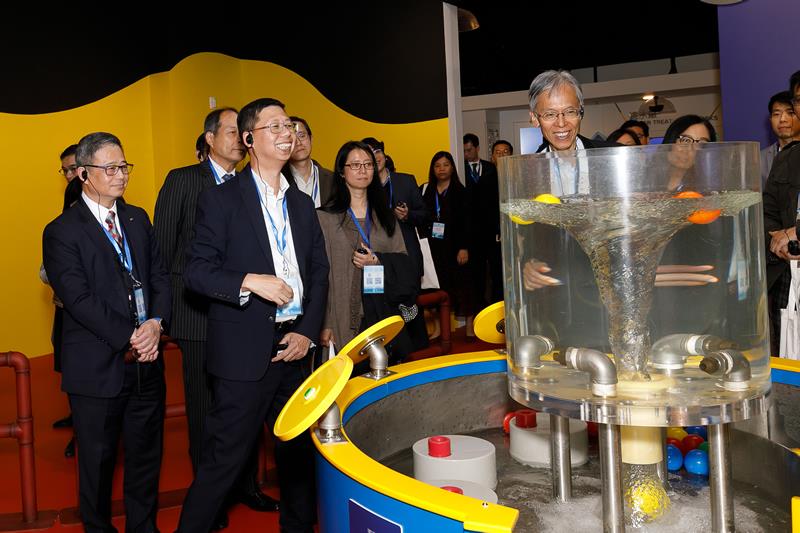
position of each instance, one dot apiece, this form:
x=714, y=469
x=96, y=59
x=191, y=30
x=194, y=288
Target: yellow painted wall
x=157, y=119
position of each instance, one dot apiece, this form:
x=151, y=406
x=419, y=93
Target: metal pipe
x=22, y=430
x=720, y=476
x=560, y=459
x=611, y=478
x=601, y=369
x=670, y=352
x=732, y=364
x=529, y=349
x=378, y=359
x=663, y=471
x=329, y=427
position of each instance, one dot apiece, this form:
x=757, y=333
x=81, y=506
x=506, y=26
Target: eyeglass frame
x=70, y=169
x=126, y=169
x=691, y=140
x=355, y=167
x=541, y=116
x=291, y=127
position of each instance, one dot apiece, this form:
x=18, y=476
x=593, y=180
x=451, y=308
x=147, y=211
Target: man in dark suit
x=103, y=262
x=258, y=253
x=174, y=226
x=484, y=252
x=305, y=173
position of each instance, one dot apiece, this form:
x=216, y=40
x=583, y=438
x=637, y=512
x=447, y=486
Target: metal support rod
x=720, y=476
x=560, y=459
x=663, y=471
x=611, y=478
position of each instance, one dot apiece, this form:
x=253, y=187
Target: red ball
x=591, y=429
x=675, y=442
x=690, y=442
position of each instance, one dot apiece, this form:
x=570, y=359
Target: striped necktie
x=111, y=226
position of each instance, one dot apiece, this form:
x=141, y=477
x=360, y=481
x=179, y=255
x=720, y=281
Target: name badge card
x=438, y=230
x=373, y=279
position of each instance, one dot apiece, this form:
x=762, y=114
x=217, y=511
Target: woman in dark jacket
x=445, y=201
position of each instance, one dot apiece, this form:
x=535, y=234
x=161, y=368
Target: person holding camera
x=367, y=255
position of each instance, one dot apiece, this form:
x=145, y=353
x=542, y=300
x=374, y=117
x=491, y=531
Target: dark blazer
x=780, y=204
x=484, y=201
x=325, y=181
x=230, y=241
x=173, y=222
x=587, y=144
x=84, y=270
x=405, y=189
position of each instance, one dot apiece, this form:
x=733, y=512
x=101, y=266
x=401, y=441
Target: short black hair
x=628, y=124
x=211, y=123
x=503, y=141
x=248, y=116
x=472, y=138
x=794, y=81
x=783, y=97
x=681, y=124
x=302, y=121
x=68, y=151
x=91, y=143
x=201, y=147
x=616, y=135
x=373, y=143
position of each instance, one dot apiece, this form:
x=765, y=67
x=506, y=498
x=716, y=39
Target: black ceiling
x=519, y=39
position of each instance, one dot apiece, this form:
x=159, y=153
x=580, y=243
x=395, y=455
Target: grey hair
x=91, y=143
x=549, y=80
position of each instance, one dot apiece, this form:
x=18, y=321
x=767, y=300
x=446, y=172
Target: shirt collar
x=98, y=211
x=218, y=170
x=268, y=191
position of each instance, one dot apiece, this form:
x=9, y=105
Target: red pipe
x=22, y=430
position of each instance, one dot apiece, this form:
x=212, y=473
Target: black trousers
x=137, y=414
x=237, y=416
x=197, y=394
x=485, y=257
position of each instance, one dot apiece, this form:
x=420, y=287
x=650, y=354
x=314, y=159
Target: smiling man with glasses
x=104, y=264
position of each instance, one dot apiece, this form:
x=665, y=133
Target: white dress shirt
x=308, y=186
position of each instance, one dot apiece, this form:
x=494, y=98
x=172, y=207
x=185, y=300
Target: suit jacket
x=325, y=181
x=84, y=270
x=174, y=227
x=780, y=203
x=230, y=241
x=587, y=144
x=484, y=201
x=405, y=189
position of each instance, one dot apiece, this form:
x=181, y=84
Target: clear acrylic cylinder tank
x=635, y=292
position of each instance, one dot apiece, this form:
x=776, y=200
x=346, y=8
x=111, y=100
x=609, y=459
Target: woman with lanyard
x=446, y=229
x=360, y=234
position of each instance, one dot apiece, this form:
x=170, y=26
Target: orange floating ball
x=701, y=216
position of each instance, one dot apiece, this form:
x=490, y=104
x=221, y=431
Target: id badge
x=438, y=230
x=295, y=307
x=138, y=296
x=373, y=279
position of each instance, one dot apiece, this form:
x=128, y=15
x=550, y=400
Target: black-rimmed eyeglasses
x=111, y=170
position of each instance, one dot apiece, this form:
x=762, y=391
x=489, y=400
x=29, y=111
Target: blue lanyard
x=391, y=190
x=368, y=223
x=126, y=259
x=217, y=177
x=436, y=197
x=315, y=174
x=281, y=242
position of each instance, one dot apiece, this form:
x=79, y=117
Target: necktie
x=475, y=175
x=112, y=228
x=226, y=177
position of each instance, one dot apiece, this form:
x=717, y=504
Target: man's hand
x=297, y=347
x=463, y=257
x=401, y=211
x=145, y=339
x=684, y=275
x=533, y=275
x=269, y=287
x=326, y=337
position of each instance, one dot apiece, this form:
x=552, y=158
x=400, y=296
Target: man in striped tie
x=104, y=265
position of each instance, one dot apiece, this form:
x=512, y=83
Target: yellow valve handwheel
x=489, y=323
x=387, y=328
x=545, y=198
x=313, y=397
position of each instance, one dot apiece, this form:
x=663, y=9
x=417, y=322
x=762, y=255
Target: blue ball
x=696, y=462
x=674, y=458
x=698, y=430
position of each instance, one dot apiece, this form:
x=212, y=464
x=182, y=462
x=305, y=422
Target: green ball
x=703, y=446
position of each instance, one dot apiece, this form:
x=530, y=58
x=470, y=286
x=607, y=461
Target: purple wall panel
x=759, y=41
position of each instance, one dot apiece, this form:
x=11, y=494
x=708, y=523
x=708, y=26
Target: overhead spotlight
x=467, y=21
x=647, y=97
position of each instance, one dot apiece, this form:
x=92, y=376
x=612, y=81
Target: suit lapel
x=95, y=232
x=207, y=174
x=135, y=237
x=299, y=229
x=252, y=203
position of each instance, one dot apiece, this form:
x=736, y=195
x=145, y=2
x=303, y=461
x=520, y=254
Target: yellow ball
x=648, y=498
x=676, y=433
x=548, y=198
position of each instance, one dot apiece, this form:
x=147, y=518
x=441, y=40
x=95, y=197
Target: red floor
x=55, y=474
